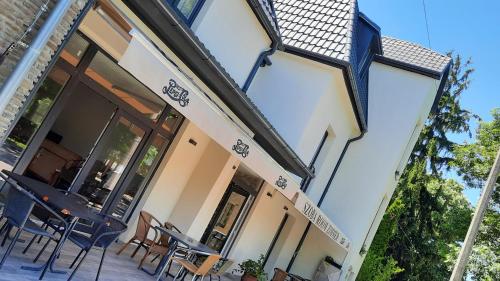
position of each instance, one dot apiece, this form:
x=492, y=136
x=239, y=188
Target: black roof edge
x=170, y=28
x=265, y=21
x=349, y=78
x=375, y=27
x=444, y=79
x=409, y=67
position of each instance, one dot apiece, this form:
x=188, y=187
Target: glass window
x=124, y=86
x=115, y=155
x=140, y=177
x=74, y=49
x=32, y=117
x=186, y=7
x=172, y=121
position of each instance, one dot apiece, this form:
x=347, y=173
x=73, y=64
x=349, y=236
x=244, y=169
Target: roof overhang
x=164, y=21
x=265, y=17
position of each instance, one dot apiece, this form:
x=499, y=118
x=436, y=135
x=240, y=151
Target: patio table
x=69, y=206
x=176, y=238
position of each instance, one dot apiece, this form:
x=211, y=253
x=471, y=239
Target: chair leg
x=178, y=272
x=136, y=250
x=4, y=227
x=155, y=258
x=7, y=232
x=100, y=265
x=45, y=226
x=11, y=246
x=78, y=265
x=144, y=258
x=124, y=246
x=42, y=250
x=29, y=244
x=77, y=256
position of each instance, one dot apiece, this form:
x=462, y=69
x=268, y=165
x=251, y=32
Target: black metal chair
x=49, y=221
x=102, y=236
x=17, y=210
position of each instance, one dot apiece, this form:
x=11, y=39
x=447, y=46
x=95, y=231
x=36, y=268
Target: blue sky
x=470, y=28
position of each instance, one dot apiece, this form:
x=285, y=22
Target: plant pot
x=248, y=277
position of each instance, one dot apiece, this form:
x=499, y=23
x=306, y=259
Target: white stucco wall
x=261, y=226
x=233, y=34
x=399, y=102
x=303, y=99
x=172, y=175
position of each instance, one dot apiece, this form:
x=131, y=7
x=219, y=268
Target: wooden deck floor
x=115, y=268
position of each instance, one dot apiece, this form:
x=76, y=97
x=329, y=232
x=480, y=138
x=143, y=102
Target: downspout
x=15, y=79
x=262, y=60
x=322, y=198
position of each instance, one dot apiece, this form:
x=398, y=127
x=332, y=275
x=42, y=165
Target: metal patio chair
x=146, y=223
x=103, y=235
x=202, y=270
x=17, y=211
x=49, y=221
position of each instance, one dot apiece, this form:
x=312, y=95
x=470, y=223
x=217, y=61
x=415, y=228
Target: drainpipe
x=31, y=54
x=322, y=198
x=262, y=60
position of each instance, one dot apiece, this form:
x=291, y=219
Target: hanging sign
x=143, y=60
x=320, y=220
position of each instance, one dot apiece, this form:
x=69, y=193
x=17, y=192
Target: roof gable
x=414, y=55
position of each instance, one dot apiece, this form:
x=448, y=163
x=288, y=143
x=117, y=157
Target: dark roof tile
x=411, y=53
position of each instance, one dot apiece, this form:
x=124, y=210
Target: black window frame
x=194, y=13
x=307, y=180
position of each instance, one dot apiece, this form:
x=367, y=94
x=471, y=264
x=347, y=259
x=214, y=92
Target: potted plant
x=252, y=270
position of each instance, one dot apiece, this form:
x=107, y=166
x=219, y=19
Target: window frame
x=194, y=13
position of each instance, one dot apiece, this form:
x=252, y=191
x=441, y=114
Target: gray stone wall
x=15, y=15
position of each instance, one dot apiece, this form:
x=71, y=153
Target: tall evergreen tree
x=423, y=239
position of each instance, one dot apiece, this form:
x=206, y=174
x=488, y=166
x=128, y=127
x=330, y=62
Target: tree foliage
x=434, y=214
x=473, y=162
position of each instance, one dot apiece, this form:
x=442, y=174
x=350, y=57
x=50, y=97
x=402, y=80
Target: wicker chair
x=160, y=247
x=195, y=270
x=147, y=223
x=279, y=275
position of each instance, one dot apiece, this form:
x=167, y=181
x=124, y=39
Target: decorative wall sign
x=176, y=93
x=241, y=148
x=281, y=182
x=320, y=220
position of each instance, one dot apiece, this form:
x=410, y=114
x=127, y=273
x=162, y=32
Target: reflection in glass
x=186, y=7
x=124, y=86
x=115, y=154
x=172, y=121
x=226, y=220
x=32, y=117
x=74, y=49
x=140, y=177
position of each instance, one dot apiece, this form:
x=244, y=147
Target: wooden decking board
x=115, y=268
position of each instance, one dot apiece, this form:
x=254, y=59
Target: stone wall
x=15, y=16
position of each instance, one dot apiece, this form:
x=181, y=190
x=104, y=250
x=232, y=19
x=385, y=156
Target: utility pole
x=488, y=189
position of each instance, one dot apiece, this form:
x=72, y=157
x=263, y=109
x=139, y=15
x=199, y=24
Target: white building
x=257, y=127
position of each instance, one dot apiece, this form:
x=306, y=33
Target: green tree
x=435, y=215
x=473, y=162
